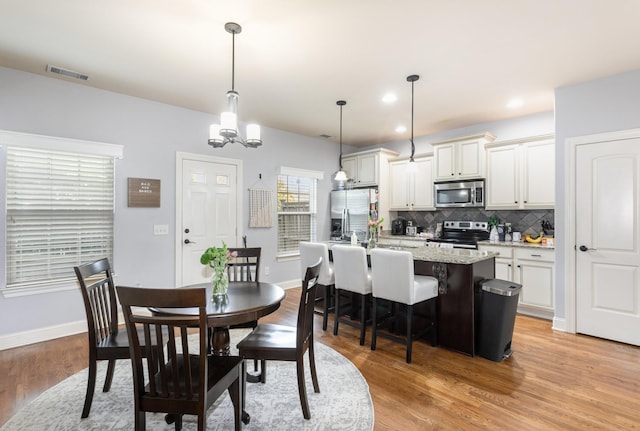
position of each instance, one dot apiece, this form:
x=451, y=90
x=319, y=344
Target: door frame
x=571, y=146
x=180, y=157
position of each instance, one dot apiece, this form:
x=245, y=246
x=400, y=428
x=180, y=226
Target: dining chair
x=352, y=275
x=310, y=252
x=272, y=342
x=394, y=280
x=106, y=341
x=245, y=267
x=179, y=378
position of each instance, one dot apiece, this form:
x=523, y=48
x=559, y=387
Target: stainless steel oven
x=454, y=194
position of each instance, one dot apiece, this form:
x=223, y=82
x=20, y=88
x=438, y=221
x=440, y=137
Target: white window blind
x=60, y=208
x=296, y=212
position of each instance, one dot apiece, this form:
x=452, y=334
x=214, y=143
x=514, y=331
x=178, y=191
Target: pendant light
x=341, y=175
x=412, y=79
x=227, y=130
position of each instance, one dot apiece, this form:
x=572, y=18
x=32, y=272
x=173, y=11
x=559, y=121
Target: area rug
x=344, y=402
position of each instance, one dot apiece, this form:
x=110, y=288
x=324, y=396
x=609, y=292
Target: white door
x=208, y=214
x=608, y=240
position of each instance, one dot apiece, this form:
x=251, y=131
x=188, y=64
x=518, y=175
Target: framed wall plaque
x=143, y=192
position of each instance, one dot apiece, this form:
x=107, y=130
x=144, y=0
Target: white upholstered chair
x=351, y=275
x=310, y=252
x=394, y=280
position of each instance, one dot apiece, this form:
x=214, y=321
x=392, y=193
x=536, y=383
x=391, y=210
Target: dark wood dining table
x=245, y=301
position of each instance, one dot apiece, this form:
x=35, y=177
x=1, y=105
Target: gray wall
x=151, y=133
x=603, y=105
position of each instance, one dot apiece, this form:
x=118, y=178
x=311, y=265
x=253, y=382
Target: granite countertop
x=516, y=244
x=442, y=255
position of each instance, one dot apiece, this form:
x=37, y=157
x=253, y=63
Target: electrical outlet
x=161, y=229
x=266, y=270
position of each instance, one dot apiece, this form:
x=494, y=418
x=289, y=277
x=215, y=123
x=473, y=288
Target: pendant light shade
x=412, y=79
x=341, y=175
x=227, y=130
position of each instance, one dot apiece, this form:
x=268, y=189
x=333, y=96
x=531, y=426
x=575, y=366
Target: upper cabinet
x=365, y=168
x=461, y=158
x=521, y=174
x=411, y=188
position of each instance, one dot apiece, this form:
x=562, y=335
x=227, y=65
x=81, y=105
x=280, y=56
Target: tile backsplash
x=525, y=221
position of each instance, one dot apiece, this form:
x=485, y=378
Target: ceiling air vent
x=68, y=73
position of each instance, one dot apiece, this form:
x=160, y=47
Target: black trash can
x=498, y=303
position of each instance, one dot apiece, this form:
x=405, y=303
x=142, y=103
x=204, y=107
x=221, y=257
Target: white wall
x=151, y=133
x=602, y=105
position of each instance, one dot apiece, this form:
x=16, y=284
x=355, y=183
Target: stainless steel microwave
x=454, y=194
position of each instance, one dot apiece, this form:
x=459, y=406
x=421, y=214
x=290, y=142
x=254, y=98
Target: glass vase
x=220, y=283
x=373, y=238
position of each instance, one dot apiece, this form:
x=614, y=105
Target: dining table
x=245, y=301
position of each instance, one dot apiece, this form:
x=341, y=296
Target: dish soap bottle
x=354, y=238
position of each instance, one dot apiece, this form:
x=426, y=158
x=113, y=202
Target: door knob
x=186, y=241
x=585, y=248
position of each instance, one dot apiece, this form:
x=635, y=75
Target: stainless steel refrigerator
x=350, y=211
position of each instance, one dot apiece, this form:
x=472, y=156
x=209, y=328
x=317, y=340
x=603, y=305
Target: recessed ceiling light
x=389, y=98
x=515, y=103
x=401, y=129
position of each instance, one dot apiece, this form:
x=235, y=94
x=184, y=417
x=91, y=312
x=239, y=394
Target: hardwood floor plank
x=553, y=381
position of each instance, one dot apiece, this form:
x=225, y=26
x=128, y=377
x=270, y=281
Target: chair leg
x=374, y=323
x=263, y=371
x=141, y=421
x=312, y=366
x=327, y=306
x=235, y=393
x=336, y=312
x=363, y=318
x=91, y=387
x=109, y=378
x=409, y=332
x=302, y=391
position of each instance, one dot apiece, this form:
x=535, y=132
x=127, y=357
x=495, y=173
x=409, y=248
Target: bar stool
x=310, y=252
x=351, y=275
x=394, y=280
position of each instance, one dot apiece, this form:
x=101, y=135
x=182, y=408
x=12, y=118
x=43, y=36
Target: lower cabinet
x=531, y=267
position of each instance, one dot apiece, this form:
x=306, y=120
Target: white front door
x=608, y=240
x=208, y=212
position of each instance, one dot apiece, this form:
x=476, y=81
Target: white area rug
x=344, y=402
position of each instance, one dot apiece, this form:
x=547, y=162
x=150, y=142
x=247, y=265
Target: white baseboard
x=24, y=338
x=559, y=324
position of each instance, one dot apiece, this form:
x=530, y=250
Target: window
x=60, y=208
x=296, y=208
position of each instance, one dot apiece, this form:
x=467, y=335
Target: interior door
x=608, y=240
x=208, y=214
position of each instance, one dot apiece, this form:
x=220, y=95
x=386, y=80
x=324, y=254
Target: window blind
x=60, y=209
x=296, y=212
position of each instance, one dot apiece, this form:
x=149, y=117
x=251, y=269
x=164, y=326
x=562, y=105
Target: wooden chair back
x=175, y=377
x=246, y=266
x=100, y=305
x=304, y=323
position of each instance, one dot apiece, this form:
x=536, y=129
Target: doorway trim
x=570, y=291
x=180, y=157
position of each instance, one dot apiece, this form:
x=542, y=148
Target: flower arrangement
x=217, y=258
x=374, y=226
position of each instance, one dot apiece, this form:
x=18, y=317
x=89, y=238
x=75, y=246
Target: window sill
x=17, y=292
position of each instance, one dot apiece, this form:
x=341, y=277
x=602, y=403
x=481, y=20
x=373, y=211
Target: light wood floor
x=553, y=381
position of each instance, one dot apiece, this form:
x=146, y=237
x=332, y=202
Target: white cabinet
x=533, y=268
x=520, y=174
x=364, y=169
x=371, y=169
x=461, y=158
x=411, y=187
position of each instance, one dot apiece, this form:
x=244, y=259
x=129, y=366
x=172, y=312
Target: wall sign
x=143, y=192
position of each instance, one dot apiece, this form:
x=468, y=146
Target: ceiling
x=295, y=59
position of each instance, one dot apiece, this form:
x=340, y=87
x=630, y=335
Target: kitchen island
x=458, y=290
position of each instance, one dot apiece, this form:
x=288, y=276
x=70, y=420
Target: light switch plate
x=161, y=229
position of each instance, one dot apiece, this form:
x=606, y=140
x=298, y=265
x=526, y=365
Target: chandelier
x=227, y=130
x=341, y=175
